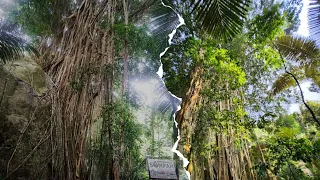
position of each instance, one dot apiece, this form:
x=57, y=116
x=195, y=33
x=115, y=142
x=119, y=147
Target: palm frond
x=313, y=20
x=286, y=81
x=163, y=20
x=299, y=49
x=12, y=45
x=312, y=71
x=222, y=19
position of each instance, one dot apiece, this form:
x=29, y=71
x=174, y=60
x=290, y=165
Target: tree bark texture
x=227, y=161
x=78, y=64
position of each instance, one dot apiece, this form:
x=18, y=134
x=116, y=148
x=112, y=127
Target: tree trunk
x=247, y=155
x=185, y=117
x=226, y=162
x=78, y=71
x=264, y=161
x=126, y=49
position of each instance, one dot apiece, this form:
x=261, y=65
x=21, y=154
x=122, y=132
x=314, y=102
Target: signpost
x=161, y=169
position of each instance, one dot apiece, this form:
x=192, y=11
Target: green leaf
x=12, y=45
x=286, y=81
x=300, y=49
x=222, y=19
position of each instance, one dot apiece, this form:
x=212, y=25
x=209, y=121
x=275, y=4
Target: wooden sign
x=161, y=169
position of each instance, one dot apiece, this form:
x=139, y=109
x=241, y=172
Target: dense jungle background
x=89, y=89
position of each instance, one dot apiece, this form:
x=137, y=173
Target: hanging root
x=80, y=58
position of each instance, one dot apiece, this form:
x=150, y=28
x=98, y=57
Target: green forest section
x=233, y=63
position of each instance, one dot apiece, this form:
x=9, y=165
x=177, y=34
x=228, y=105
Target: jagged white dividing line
x=160, y=73
x=174, y=148
x=181, y=20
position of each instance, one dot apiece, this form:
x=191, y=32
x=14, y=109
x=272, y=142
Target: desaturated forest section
x=84, y=95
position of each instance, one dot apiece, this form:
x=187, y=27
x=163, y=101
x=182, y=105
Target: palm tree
x=304, y=54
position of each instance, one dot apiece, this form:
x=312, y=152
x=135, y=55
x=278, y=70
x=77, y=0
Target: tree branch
x=301, y=92
x=302, y=97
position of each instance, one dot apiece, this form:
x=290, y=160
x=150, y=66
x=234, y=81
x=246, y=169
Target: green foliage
x=222, y=79
x=225, y=67
x=303, y=52
x=178, y=63
x=284, y=148
x=288, y=121
x=306, y=116
x=256, y=55
x=41, y=18
x=289, y=149
x=267, y=26
x=293, y=171
x=270, y=56
x=221, y=19
x=12, y=45
x=35, y=16
x=297, y=48
x=120, y=123
x=139, y=41
x=286, y=81
x=235, y=77
x=217, y=63
x=195, y=49
x=162, y=20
